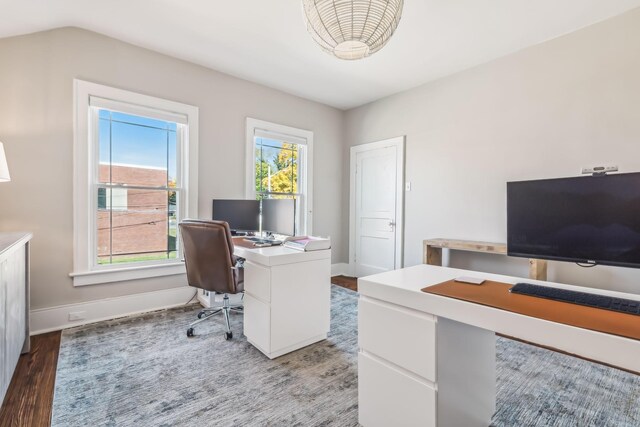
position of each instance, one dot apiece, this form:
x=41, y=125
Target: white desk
x=429, y=360
x=287, y=301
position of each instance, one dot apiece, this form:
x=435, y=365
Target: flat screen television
x=242, y=215
x=592, y=220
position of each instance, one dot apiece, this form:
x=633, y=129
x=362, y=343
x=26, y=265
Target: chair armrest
x=239, y=263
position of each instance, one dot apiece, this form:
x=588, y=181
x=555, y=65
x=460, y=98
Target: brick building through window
x=134, y=223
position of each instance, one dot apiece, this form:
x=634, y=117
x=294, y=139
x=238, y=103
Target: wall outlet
x=600, y=169
x=77, y=315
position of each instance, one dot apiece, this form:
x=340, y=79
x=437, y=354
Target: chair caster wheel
x=190, y=332
x=201, y=315
x=228, y=335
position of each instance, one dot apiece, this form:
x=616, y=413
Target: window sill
x=85, y=278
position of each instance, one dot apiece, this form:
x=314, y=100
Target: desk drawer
x=389, y=397
x=257, y=322
x=402, y=336
x=257, y=281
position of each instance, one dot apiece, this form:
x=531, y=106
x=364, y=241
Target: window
x=135, y=178
x=137, y=187
x=279, y=165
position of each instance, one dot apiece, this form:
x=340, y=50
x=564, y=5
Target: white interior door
x=377, y=181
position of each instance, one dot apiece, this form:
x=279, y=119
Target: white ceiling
x=265, y=41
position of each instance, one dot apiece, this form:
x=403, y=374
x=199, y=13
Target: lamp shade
x=352, y=29
x=4, y=169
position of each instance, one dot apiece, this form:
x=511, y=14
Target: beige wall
x=543, y=112
x=36, y=126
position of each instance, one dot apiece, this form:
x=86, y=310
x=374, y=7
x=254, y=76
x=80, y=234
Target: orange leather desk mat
x=497, y=295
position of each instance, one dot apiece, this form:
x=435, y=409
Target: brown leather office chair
x=211, y=265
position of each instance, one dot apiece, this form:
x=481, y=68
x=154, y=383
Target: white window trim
x=84, y=153
x=305, y=137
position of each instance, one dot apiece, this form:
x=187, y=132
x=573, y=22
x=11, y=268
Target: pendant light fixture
x=352, y=29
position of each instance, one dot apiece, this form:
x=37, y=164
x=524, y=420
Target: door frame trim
x=399, y=143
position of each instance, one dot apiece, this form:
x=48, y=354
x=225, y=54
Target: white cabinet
x=257, y=322
x=257, y=281
x=382, y=386
x=4, y=363
x=14, y=303
x=418, y=369
x=12, y=272
x=287, y=298
x=403, y=337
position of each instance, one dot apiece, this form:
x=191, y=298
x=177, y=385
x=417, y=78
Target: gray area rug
x=538, y=387
x=144, y=371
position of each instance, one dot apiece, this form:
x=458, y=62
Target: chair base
x=207, y=313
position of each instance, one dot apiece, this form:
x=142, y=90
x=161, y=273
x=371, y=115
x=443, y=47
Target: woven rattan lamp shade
x=352, y=29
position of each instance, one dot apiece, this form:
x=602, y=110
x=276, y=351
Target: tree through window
x=276, y=168
x=280, y=166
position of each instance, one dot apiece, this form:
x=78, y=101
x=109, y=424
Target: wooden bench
x=432, y=253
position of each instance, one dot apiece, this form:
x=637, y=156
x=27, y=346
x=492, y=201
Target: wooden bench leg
x=433, y=256
x=537, y=269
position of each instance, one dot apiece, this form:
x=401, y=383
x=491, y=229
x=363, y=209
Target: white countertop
x=11, y=239
x=279, y=255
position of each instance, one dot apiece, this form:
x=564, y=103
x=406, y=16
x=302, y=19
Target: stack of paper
x=307, y=243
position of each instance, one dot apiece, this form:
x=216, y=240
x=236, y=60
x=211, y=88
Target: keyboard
x=582, y=298
x=261, y=241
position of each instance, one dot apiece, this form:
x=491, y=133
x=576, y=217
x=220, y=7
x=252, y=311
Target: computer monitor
x=279, y=216
x=242, y=215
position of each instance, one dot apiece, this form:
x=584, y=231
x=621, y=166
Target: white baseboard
x=340, y=269
x=57, y=318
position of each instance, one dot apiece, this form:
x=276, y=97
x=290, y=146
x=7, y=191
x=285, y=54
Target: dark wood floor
x=29, y=399
x=346, y=282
